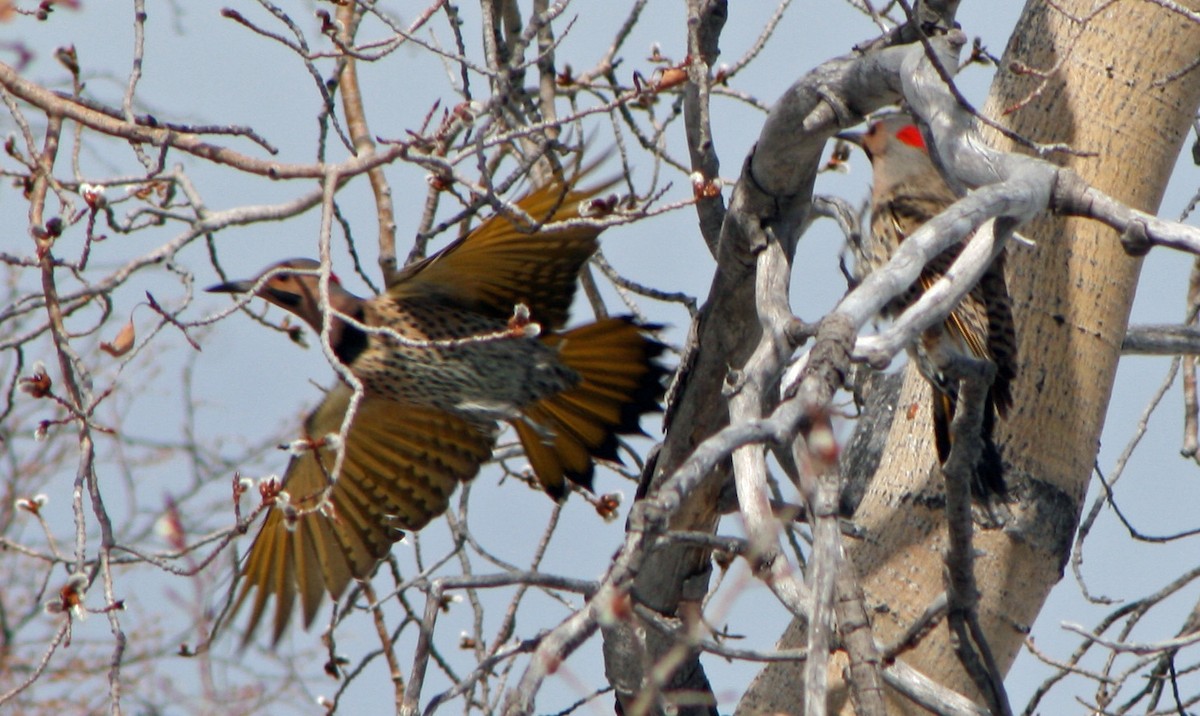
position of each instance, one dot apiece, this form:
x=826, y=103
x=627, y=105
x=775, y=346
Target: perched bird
x=907, y=191
x=450, y=349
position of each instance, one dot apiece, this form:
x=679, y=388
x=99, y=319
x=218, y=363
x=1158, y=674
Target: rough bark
x=1071, y=298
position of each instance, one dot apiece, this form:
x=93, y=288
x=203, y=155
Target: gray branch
x=1161, y=340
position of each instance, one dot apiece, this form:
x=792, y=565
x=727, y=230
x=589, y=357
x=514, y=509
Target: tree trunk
x=1071, y=296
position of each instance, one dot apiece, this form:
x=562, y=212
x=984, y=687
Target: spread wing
x=402, y=464
x=502, y=263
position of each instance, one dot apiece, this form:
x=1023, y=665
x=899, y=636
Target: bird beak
x=232, y=287
x=283, y=299
x=855, y=138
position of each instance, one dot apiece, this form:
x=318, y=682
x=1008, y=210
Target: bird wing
x=983, y=322
x=503, y=262
x=983, y=319
x=401, y=465
x=968, y=321
x=1002, y=333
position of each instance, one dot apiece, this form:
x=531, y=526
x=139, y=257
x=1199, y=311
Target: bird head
x=294, y=285
x=892, y=135
x=896, y=148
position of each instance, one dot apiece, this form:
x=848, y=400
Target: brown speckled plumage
x=455, y=358
x=907, y=192
x=460, y=372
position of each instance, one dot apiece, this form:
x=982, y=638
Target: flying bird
x=467, y=337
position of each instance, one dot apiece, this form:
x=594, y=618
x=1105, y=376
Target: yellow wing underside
x=402, y=463
x=959, y=325
x=502, y=263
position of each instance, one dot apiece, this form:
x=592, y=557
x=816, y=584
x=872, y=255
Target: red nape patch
x=333, y=278
x=910, y=135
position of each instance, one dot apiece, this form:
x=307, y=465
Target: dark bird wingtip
x=557, y=491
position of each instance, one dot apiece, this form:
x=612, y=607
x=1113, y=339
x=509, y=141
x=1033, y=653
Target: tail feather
x=620, y=380
x=989, y=471
x=587, y=425
x=554, y=453
x=943, y=415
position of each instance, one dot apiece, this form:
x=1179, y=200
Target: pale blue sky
x=254, y=384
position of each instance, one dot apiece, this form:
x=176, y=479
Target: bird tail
x=620, y=380
x=989, y=471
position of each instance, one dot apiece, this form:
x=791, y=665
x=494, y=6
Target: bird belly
x=466, y=364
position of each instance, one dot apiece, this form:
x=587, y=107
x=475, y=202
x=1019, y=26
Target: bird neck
x=346, y=340
x=916, y=174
